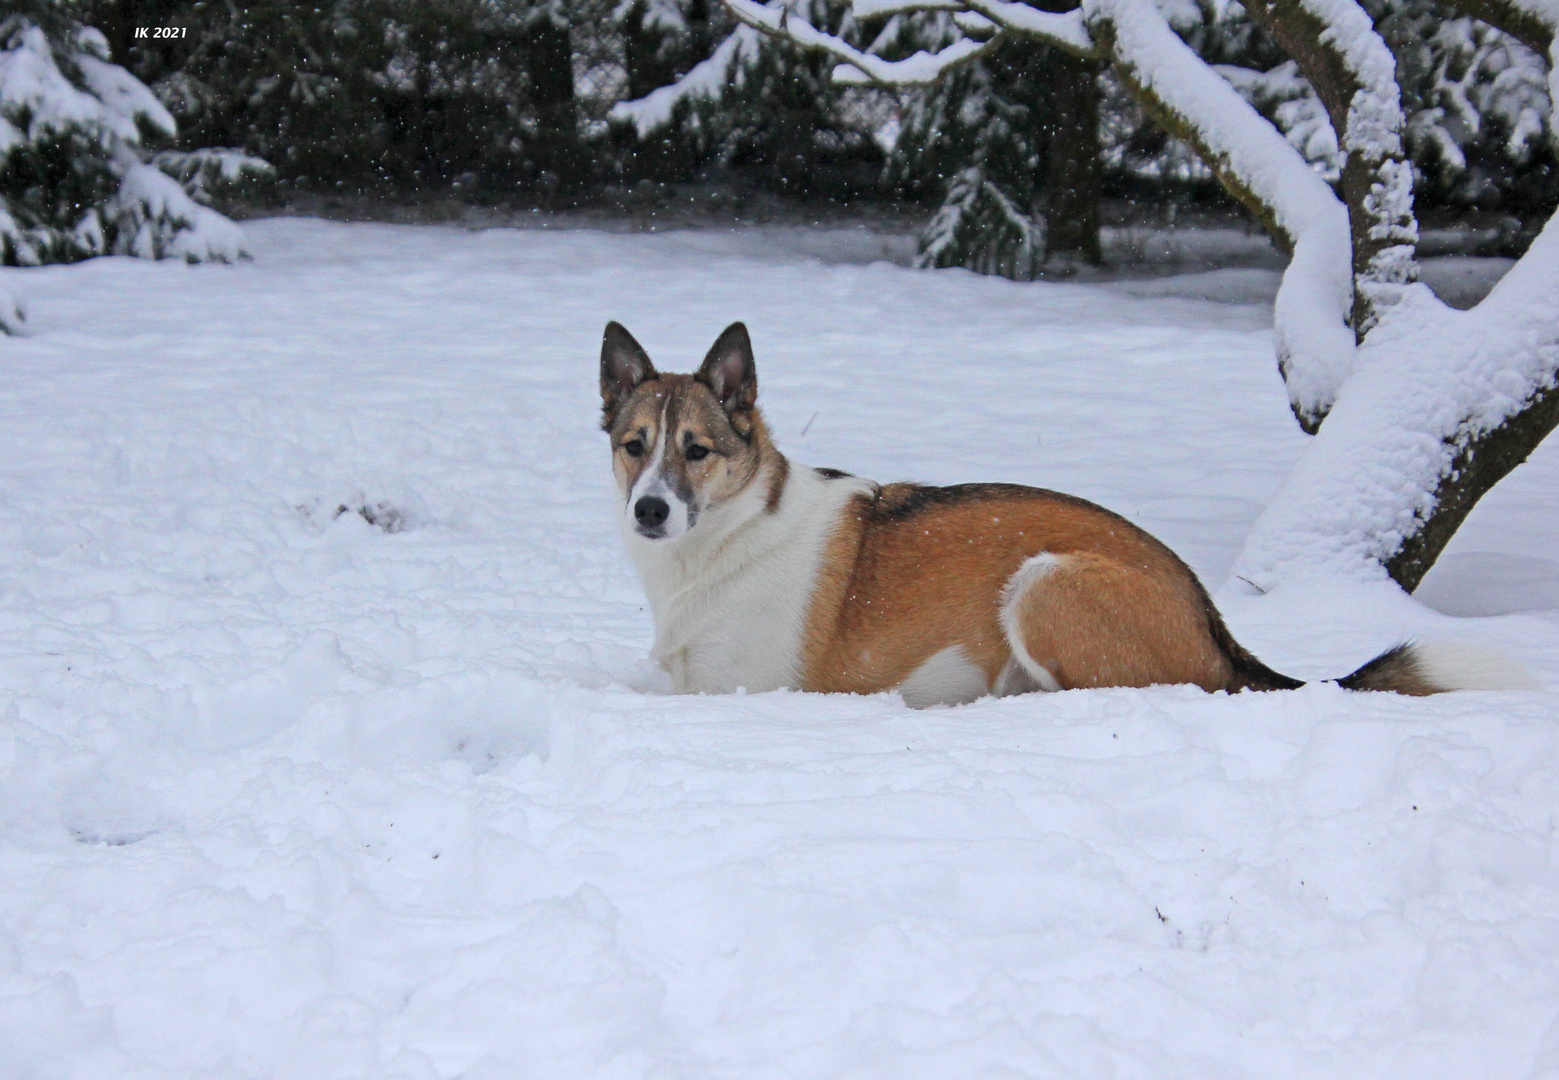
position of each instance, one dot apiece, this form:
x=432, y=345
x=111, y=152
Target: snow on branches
x=1447, y=402
x=74, y=181
x=1315, y=339
x=1480, y=100
x=705, y=81
x=980, y=227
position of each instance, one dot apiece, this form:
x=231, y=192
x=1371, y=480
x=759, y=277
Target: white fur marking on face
x=652, y=483
x=947, y=678
x=1033, y=571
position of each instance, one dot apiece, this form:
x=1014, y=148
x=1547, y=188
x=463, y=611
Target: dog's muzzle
x=651, y=512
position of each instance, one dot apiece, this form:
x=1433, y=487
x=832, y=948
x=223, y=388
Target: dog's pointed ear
x=729, y=370
x=624, y=365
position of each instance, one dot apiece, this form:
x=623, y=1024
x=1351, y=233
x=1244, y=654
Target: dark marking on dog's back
x=897, y=502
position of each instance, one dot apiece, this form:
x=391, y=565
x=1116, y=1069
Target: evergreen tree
x=75, y=133
x=1478, y=110
x=1475, y=100
x=353, y=95
x=1011, y=144
x=785, y=124
x=764, y=112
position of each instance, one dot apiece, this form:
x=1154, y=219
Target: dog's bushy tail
x=1416, y=668
x=1434, y=667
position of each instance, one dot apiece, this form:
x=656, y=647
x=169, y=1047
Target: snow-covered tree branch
x=1424, y=408
x=1533, y=22
x=1248, y=155
x=1353, y=72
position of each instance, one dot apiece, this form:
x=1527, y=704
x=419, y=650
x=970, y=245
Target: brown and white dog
x=763, y=574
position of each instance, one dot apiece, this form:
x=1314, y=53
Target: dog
x=764, y=574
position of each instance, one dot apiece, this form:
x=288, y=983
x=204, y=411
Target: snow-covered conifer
x=214, y=174
x=981, y=227
x=755, y=105
x=1477, y=104
x=74, y=175
x=1475, y=100
x=984, y=136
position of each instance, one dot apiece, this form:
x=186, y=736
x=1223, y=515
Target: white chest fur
x=730, y=597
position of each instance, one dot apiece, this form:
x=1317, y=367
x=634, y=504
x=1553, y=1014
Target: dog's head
x=681, y=444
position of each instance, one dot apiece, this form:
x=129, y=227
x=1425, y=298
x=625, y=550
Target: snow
x=1374, y=126
x=124, y=95
x=158, y=220
x=205, y=173
x=706, y=79
x=1546, y=14
x=1295, y=108
x=13, y=313
x=1499, y=78
x=391, y=791
x=1430, y=379
x=32, y=84
x=1066, y=28
x=779, y=18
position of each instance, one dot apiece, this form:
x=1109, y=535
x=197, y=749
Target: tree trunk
x=1071, y=181
x=1445, y=403
x=1072, y=161
x=550, y=61
x=1477, y=467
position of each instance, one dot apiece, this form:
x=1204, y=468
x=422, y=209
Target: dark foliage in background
x=508, y=99
x=779, y=124
x=415, y=95
x=1009, y=145
x=1474, y=99
x=355, y=93
x=786, y=124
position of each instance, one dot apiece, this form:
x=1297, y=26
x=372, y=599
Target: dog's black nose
x=651, y=512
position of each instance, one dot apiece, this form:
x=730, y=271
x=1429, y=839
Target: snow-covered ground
x=296, y=791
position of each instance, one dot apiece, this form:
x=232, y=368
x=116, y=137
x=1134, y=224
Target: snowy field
x=290, y=791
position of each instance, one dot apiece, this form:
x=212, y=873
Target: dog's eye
x=697, y=453
x=634, y=447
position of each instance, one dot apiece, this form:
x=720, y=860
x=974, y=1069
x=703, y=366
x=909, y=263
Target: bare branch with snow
x=918, y=70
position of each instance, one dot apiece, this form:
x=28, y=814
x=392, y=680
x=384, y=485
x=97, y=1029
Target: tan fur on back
x=915, y=570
